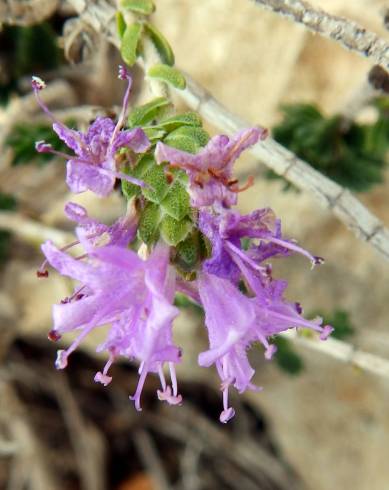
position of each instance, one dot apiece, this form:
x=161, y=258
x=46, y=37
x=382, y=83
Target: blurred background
x=319, y=424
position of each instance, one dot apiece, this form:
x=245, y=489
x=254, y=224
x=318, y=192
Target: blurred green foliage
x=26, y=51
x=7, y=203
x=341, y=322
x=22, y=140
x=352, y=154
x=286, y=357
x=289, y=361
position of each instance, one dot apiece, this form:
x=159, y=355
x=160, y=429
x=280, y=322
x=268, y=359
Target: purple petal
x=82, y=176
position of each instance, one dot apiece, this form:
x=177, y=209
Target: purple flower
x=135, y=296
x=235, y=320
x=227, y=229
x=91, y=233
x=210, y=171
x=94, y=166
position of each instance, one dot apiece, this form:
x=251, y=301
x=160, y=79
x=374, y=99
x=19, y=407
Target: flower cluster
x=133, y=291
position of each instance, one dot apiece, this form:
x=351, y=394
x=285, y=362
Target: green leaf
x=287, y=359
x=188, y=253
x=144, y=114
x=130, y=40
x=149, y=223
x=168, y=74
x=154, y=134
x=7, y=202
x=161, y=44
x=353, y=155
x=187, y=138
x=341, y=322
x=183, y=143
x=144, y=7
x=178, y=120
x=173, y=231
x=181, y=301
x=176, y=202
x=22, y=140
x=143, y=164
x=120, y=24
x=156, y=178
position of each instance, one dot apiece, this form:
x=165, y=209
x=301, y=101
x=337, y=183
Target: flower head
x=210, y=171
x=93, y=165
x=133, y=295
x=235, y=320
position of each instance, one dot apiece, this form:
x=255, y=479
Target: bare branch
x=32, y=231
x=343, y=204
x=87, y=442
x=149, y=455
x=349, y=34
x=343, y=352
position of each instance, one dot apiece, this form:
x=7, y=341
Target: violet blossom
x=135, y=296
x=94, y=165
x=235, y=320
x=210, y=170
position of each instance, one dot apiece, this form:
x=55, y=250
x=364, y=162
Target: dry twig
x=346, y=32
x=344, y=352
x=32, y=231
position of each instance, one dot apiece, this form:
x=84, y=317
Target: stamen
x=102, y=377
x=235, y=250
x=270, y=351
x=43, y=147
x=250, y=183
x=173, y=377
x=42, y=272
x=62, y=355
x=139, y=388
x=37, y=85
x=291, y=246
x=162, y=377
x=228, y=412
x=54, y=336
x=123, y=75
x=326, y=332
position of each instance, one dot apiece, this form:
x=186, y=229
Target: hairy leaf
x=130, y=41
x=167, y=74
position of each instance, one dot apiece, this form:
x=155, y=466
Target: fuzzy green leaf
x=186, y=119
x=149, y=223
x=183, y=143
x=188, y=253
x=154, y=134
x=187, y=138
x=161, y=44
x=131, y=190
x=144, y=114
x=120, y=24
x=173, y=231
x=130, y=40
x=156, y=178
x=167, y=74
x=176, y=202
x=144, y=7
